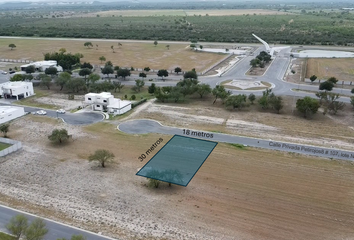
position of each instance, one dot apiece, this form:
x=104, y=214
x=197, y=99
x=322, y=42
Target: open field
x=188, y=12
x=341, y=68
x=137, y=55
x=237, y=193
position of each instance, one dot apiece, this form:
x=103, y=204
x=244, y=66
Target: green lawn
x=4, y=236
x=2, y=147
x=127, y=90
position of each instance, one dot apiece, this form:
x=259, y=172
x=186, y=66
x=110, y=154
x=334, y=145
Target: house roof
x=8, y=85
x=102, y=94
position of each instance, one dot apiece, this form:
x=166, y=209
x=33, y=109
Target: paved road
x=150, y=126
x=56, y=230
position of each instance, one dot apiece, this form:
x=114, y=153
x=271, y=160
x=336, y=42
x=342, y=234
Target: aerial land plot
x=137, y=55
x=210, y=12
x=341, y=68
x=238, y=193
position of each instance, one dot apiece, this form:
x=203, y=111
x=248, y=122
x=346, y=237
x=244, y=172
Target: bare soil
x=237, y=193
x=341, y=68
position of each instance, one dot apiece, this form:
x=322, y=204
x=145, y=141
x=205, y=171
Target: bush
x=125, y=96
x=133, y=97
x=138, y=103
x=151, y=80
x=153, y=183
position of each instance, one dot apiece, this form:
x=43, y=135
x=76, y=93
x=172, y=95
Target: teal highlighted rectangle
x=178, y=161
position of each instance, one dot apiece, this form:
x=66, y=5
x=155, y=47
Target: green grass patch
x=127, y=90
x=4, y=146
x=4, y=236
x=239, y=146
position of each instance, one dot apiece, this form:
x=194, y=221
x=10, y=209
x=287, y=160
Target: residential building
x=41, y=66
x=7, y=113
x=16, y=89
x=105, y=101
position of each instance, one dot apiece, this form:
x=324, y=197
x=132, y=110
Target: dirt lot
x=137, y=55
x=341, y=68
x=237, y=193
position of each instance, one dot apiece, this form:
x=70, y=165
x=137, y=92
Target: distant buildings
x=105, y=101
x=41, y=66
x=16, y=89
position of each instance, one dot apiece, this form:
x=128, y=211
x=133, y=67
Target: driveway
x=143, y=126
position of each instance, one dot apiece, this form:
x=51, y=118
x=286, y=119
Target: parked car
x=3, y=72
x=61, y=111
x=41, y=112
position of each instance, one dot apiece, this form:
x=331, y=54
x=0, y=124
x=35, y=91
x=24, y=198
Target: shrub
x=125, y=96
x=138, y=103
x=133, y=97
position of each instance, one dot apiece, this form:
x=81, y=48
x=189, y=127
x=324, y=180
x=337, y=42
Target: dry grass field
x=210, y=12
x=237, y=193
x=137, y=55
x=341, y=68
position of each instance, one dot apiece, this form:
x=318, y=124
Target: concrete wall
x=15, y=146
x=5, y=117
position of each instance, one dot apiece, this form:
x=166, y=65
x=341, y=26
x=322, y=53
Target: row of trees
x=20, y=228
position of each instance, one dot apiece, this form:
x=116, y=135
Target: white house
x=41, y=66
x=16, y=89
x=105, y=101
x=8, y=113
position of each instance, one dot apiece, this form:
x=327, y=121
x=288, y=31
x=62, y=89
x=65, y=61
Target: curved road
x=143, y=126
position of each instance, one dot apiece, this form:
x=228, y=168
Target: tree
x=84, y=72
x=102, y=59
x=327, y=86
x=119, y=45
x=46, y=81
x=192, y=46
x=117, y=85
x=112, y=47
x=107, y=70
x=116, y=68
x=138, y=85
x=123, y=72
x=76, y=85
x=220, y=92
x=88, y=44
x=201, y=47
x=307, y=106
x=62, y=50
x=62, y=79
x=313, y=78
x=352, y=91
x=333, y=80
x=12, y=46
x=178, y=70
x=17, y=78
x=66, y=60
x=147, y=69
x=236, y=101
x=168, y=47
x=92, y=78
x=142, y=75
x=203, y=89
x=276, y=102
x=102, y=156
x=190, y=75
x=152, y=88
x=155, y=43
x=162, y=73
x=27, y=77
x=59, y=135
x=252, y=98
x=109, y=63
x=30, y=69
x=331, y=102
x=187, y=86
x=36, y=230
x=352, y=101
x=264, y=100
x=255, y=62
x=51, y=71
x=17, y=226
x=86, y=65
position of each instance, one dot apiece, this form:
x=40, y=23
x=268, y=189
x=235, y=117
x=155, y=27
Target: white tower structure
x=268, y=49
